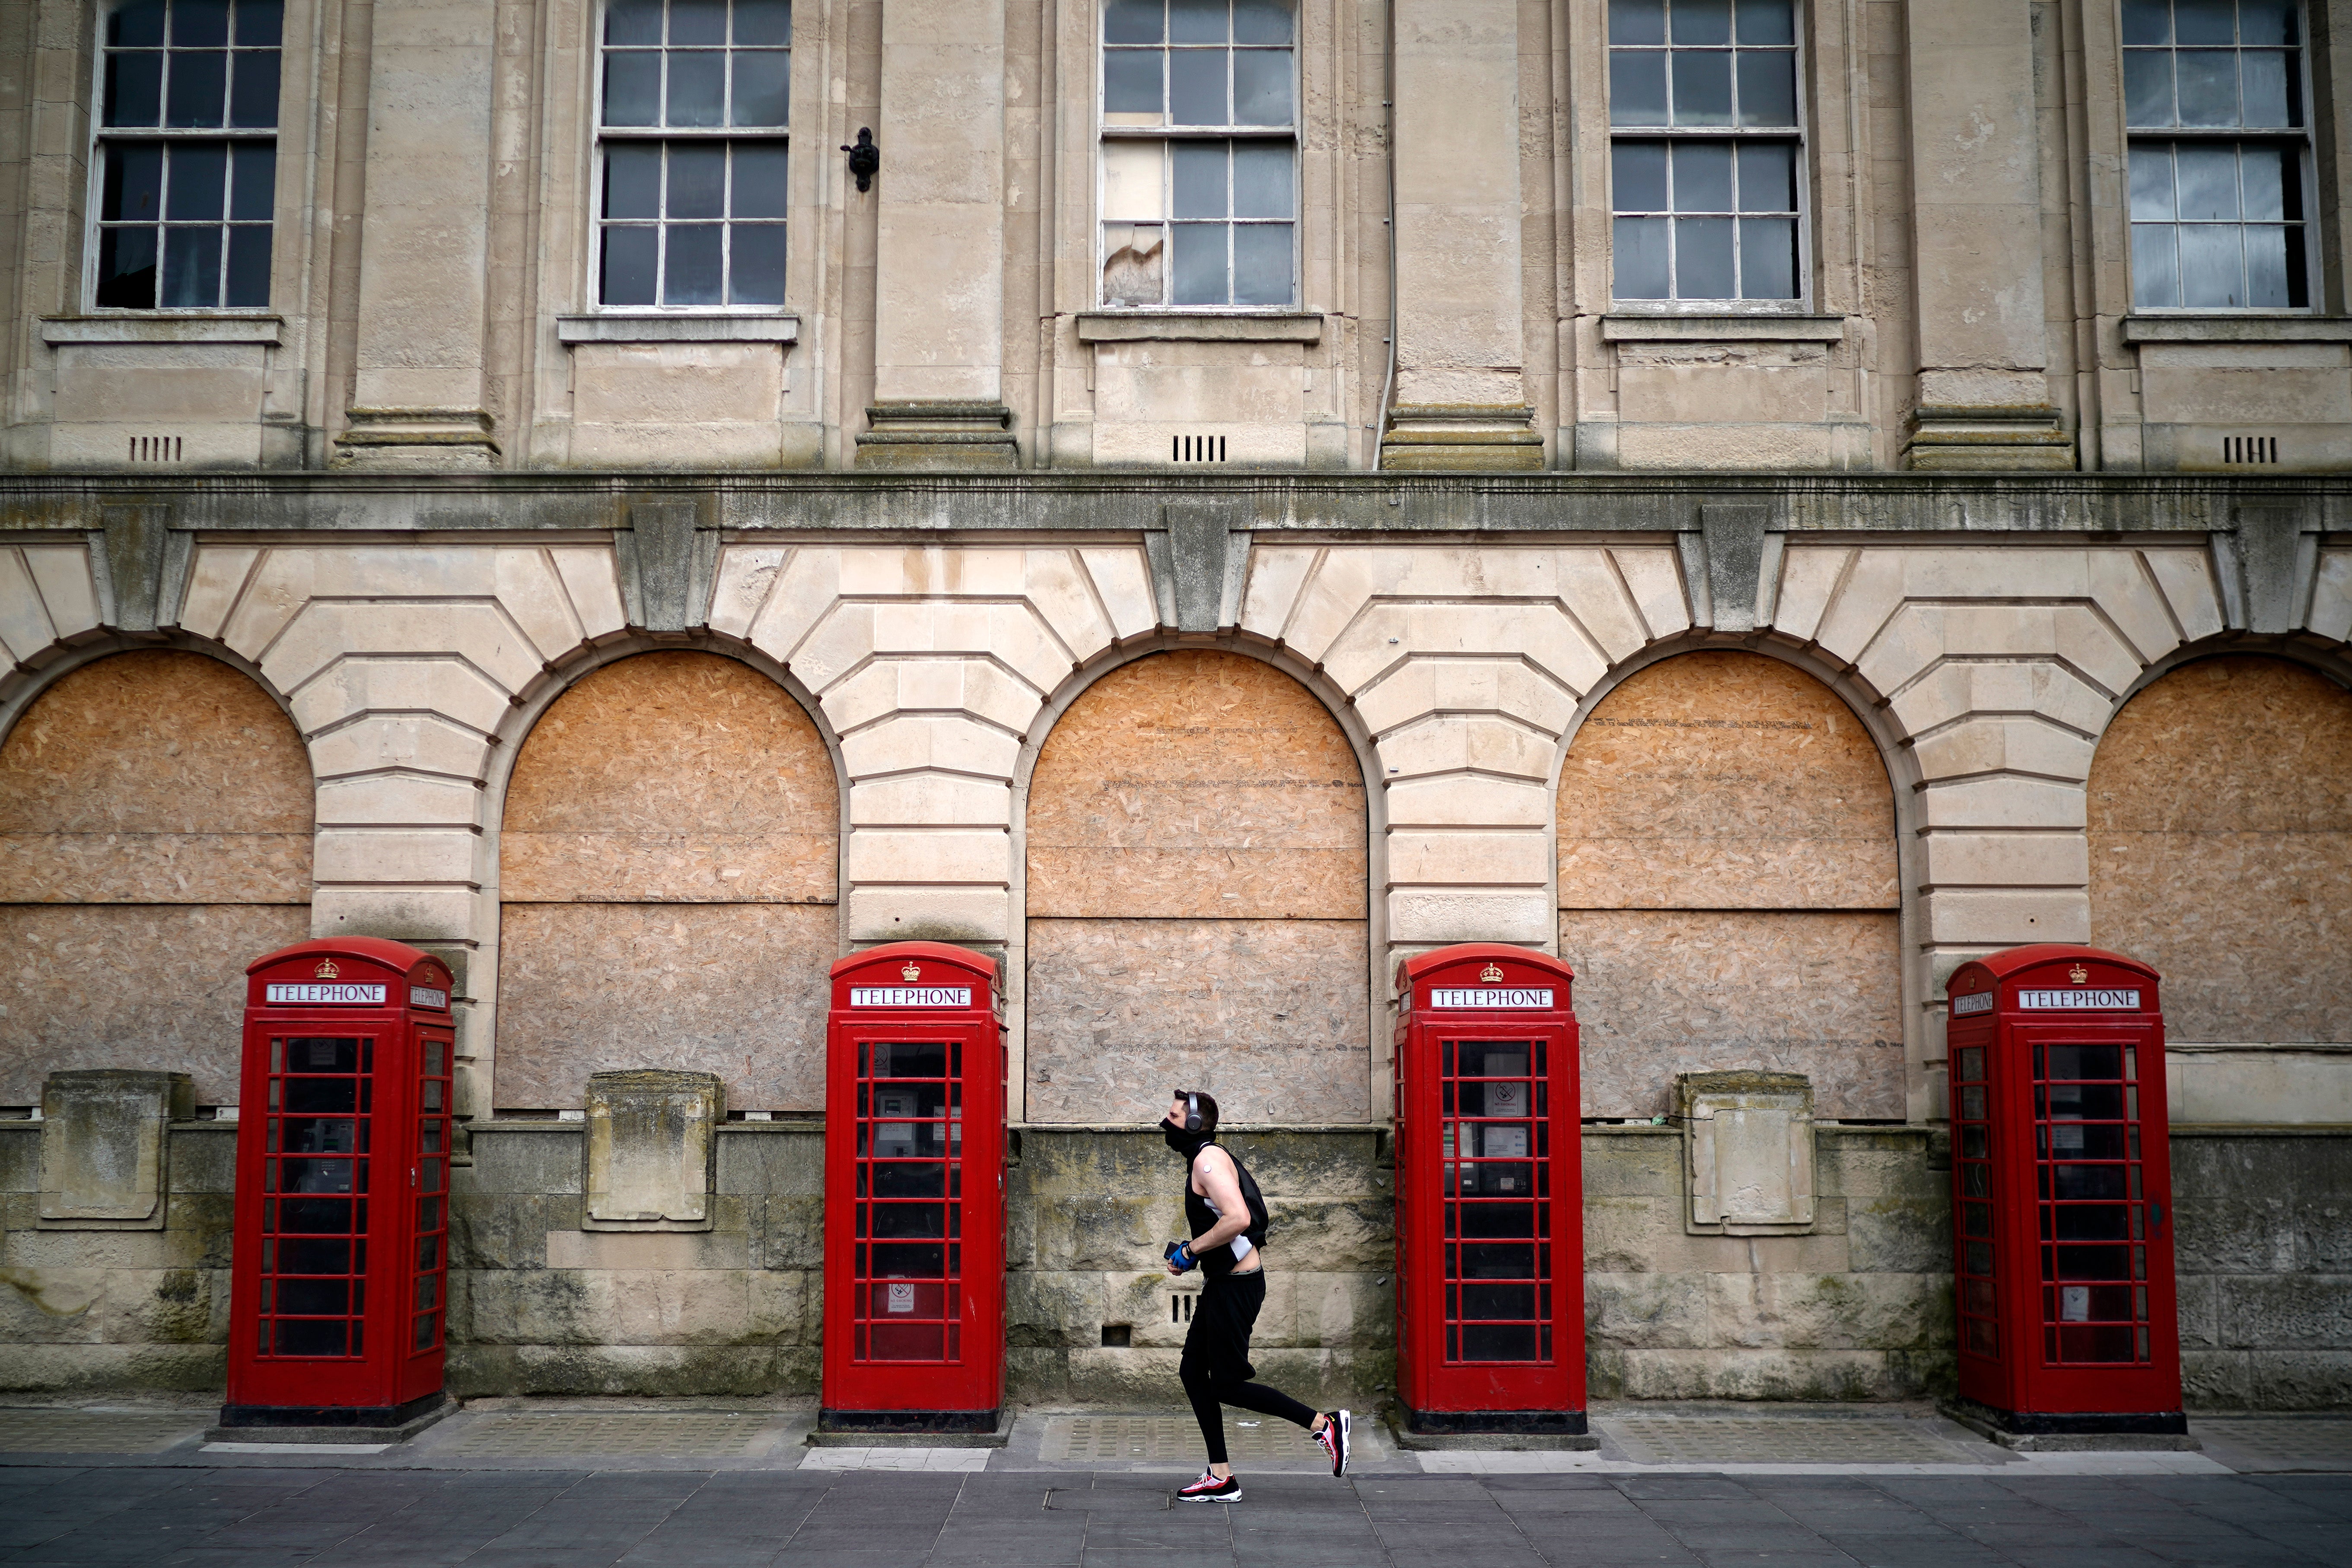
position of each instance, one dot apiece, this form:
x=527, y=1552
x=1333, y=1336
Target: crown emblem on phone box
x=1491, y=975
x=2078, y=974
x=913, y=972
x=326, y=970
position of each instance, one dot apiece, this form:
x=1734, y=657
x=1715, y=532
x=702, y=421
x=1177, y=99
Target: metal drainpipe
x=1388, y=385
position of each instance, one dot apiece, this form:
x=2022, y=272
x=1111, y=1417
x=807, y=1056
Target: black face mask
x=1187, y=1145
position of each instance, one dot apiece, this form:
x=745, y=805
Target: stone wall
x=2263, y=1244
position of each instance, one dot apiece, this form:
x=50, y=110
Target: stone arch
x=1196, y=898
x=668, y=875
x=1729, y=891
x=156, y=819
x=2219, y=820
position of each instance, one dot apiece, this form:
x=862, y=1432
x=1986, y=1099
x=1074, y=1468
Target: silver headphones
x=1191, y=1112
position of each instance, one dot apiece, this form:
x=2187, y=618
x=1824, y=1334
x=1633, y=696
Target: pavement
x=521, y=1484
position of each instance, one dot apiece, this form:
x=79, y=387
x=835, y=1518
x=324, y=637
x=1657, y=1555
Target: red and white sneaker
x=1337, y=1439
x=1211, y=1489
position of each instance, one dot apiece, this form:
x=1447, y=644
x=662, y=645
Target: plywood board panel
x=672, y=777
x=155, y=777
x=1664, y=991
x=1197, y=784
x=733, y=989
x=157, y=986
x=1268, y=1016
x=1722, y=779
x=2220, y=833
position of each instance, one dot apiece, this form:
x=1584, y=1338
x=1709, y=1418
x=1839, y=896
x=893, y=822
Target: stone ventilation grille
x=2250, y=449
x=154, y=448
x=1196, y=448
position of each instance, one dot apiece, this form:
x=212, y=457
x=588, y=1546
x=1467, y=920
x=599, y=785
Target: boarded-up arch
x=1196, y=899
x=155, y=826
x=666, y=876
x=2220, y=839
x=1727, y=888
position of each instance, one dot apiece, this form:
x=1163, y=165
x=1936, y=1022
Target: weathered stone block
x=1619, y=1166
x=203, y=1157
x=1646, y=1309
x=1749, y=1144
x=2299, y=1379
x=20, y=1156
x=527, y=1157
x=2304, y=1312
x=652, y=1137
x=760, y=1158
x=790, y=1233
x=103, y=1151
x=1899, y=1235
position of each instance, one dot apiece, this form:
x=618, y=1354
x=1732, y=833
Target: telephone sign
x=2061, y=1194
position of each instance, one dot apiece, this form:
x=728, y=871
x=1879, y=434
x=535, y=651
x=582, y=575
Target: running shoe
x=1210, y=1489
x=1336, y=1439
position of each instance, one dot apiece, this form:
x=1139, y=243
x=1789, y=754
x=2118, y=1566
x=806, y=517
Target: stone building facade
x=1766, y=501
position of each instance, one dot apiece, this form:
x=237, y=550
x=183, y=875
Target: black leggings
x=1216, y=1367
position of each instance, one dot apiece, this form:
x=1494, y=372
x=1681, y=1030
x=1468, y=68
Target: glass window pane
x=1768, y=258
x=764, y=22
x=2151, y=182
x=126, y=268
x=133, y=186
x=197, y=90
x=1196, y=21
x=1199, y=183
x=1132, y=181
x=2268, y=281
x=697, y=22
x=633, y=87
x=628, y=272
x=1132, y=22
x=200, y=24
x=1200, y=263
x=1701, y=88
x=1637, y=88
x=1262, y=180
x=1766, y=22
x=192, y=259
x=762, y=88
x=2264, y=175
x=633, y=22
x=632, y=179
x=139, y=23
x=2209, y=180
x=1135, y=260
x=1262, y=266
x=248, y=267
x=260, y=24
x=2268, y=100
x=1703, y=177
x=2267, y=22
x=253, y=181
x=698, y=180
x=1768, y=88
x=1131, y=81
x=1261, y=87
x=697, y=87
x=1196, y=87
x=1703, y=258
x=253, y=90
x=1701, y=21
x=2213, y=267
x=195, y=181
x=1641, y=245
x=760, y=185
x=2209, y=86
x=134, y=88
x=692, y=273
x=2205, y=21
x=1768, y=177
x=1262, y=21
x=2147, y=21
x=756, y=275
x=1638, y=177
x=1637, y=21
x=2148, y=88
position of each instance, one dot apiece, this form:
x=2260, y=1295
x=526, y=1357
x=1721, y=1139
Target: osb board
x=733, y=989
x=1268, y=1016
x=1725, y=781
x=155, y=777
x=158, y=986
x=2220, y=834
x=672, y=777
x=1197, y=784
x=1659, y=992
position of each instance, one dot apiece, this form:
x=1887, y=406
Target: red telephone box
x=336, y=1293
x=1490, y=1194
x=914, y=1193
x=2061, y=1191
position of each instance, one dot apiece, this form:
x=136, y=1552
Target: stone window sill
x=652, y=327
x=160, y=327
x=2238, y=329
x=1722, y=329
x=1185, y=326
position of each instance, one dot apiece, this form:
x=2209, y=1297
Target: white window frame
x=2304, y=137
x=602, y=136
x=102, y=137
x=1165, y=135
x=1800, y=135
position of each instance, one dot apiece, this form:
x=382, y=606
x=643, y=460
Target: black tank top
x=1200, y=1217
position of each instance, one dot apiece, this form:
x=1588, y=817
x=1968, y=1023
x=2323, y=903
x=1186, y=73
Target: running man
x=1227, y=1246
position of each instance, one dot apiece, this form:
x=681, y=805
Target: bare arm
x=1223, y=1190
